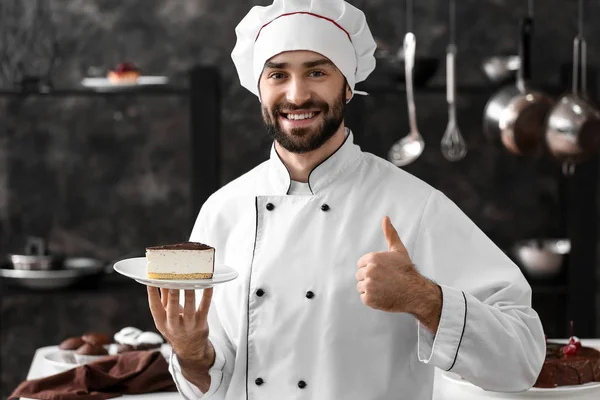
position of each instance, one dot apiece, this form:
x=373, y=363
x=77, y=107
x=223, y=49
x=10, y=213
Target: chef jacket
x=293, y=326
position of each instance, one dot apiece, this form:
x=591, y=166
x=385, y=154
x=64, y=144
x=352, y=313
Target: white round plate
x=103, y=84
x=135, y=268
x=586, y=391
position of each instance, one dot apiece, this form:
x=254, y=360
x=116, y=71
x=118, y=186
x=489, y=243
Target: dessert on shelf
x=124, y=73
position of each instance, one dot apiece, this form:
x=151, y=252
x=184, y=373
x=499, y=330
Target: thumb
x=391, y=236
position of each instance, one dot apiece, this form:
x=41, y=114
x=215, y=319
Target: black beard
x=301, y=140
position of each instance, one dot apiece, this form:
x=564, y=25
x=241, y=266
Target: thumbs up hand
x=389, y=281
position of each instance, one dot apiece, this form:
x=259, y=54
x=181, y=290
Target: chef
x=356, y=279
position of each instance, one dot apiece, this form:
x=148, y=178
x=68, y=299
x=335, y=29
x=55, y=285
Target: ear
x=348, y=93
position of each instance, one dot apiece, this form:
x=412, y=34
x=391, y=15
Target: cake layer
x=180, y=261
x=153, y=275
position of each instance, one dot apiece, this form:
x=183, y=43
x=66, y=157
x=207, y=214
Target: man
x=333, y=301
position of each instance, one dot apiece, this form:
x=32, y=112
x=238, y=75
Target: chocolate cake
x=578, y=366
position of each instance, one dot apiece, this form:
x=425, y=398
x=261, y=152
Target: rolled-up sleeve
x=488, y=332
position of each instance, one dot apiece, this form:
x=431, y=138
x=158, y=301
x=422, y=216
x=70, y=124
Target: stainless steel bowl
x=541, y=258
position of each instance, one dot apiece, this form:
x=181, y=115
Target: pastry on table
x=187, y=260
x=89, y=353
x=86, y=348
x=72, y=343
x=96, y=338
x=75, y=342
x=133, y=339
x=124, y=73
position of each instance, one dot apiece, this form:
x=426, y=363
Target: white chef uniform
x=292, y=325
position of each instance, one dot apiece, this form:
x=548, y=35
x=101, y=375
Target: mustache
x=286, y=107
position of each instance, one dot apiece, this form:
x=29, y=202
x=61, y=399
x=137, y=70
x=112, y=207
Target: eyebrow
x=308, y=64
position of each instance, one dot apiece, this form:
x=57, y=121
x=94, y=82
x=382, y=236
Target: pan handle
x=576, y=64
x=581, y=57
x=524, y=72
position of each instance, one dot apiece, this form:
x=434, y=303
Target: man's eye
x=276, y=75
x=317, y=73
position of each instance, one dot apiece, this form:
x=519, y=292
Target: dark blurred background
x=104, y=175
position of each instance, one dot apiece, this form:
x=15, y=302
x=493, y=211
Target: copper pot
x=517, y=114
x=573, y=129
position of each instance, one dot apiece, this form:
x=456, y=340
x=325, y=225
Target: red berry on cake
x=574, y=340
x=570, y=350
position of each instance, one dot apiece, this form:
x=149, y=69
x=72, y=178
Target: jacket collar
x=322, y=175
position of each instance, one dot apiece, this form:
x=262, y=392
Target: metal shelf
x=150, y=91
x=441, y=89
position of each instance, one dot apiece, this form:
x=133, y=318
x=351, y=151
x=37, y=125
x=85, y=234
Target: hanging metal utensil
x=573, y=133
x=517, y=114
x=453, y=145
x=410, y=147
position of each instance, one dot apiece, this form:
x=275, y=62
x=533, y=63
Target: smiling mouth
x=300, y=116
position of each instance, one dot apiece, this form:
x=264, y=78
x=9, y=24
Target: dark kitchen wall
x=105, y=176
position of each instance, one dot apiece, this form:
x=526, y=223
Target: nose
x=298, y=92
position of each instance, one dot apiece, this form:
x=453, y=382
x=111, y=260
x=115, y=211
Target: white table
x=443, y=388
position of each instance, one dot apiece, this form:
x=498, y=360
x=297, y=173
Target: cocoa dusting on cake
x=182, y=246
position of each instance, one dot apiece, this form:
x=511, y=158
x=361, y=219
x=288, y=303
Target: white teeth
x=300, y=116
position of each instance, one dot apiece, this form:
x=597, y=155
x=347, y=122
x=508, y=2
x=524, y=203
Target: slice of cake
x=188, y=260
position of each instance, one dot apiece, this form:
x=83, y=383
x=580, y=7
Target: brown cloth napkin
x=133, y=372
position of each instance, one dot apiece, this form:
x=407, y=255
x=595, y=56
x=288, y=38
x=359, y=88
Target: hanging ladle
x=453, y=145
x=410, y=147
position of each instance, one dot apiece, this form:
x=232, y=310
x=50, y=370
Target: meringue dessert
x=131, y=339
x=187, y=260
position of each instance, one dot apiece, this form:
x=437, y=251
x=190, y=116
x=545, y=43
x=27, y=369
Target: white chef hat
x=332, y=28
